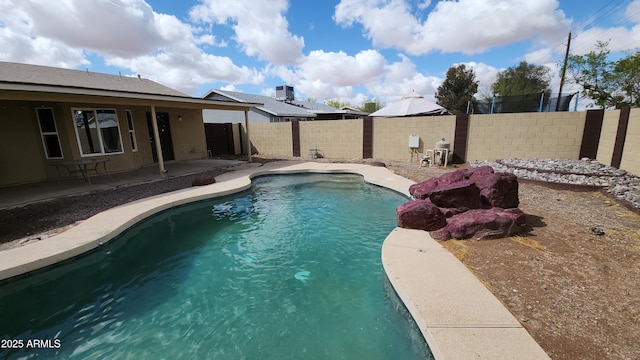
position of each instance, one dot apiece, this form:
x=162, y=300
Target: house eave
x=36, y=92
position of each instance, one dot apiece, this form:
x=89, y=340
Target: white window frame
x=49, y=133
x=132, y=131
x=100, y=139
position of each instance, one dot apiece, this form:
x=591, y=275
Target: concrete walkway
x=458, y=316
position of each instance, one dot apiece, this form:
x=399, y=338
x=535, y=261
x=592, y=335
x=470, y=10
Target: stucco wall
x=608, y=136
x=391, y=135
x=525, y=136
x=340, y=139
x=631, y=153
x=20, y=145
x=272, y=139
x=22, y=156
x=188, y=135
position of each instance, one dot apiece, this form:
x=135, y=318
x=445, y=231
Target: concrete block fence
x=611, y=137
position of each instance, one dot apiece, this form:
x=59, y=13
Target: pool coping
x=457, y=315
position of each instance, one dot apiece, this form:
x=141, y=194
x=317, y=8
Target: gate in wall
x=219, y=139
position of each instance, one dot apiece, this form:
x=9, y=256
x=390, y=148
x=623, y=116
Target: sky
x=352, y=51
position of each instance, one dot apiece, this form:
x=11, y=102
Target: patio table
x=82, y=166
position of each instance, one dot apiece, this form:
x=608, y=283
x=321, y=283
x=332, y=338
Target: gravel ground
x=619, y=183
x=44, y=219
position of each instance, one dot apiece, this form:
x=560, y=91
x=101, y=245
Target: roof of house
x=31, y=80
x=271, y=105
x=45, y=75
x=295, y=108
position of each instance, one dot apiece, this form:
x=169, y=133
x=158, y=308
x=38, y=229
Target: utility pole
x=564, y=70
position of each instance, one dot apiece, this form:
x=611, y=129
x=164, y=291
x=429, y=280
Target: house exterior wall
x=630, y=158
x=608, y=136
x=23, y=158
x=20, y=144
x=391, y=135
x=344, y=140
x=188, y=135
x=525, y=135
x=226, y=116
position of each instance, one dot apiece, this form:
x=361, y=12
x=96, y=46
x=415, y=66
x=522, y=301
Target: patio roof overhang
x=14, y=91
x=35, y=92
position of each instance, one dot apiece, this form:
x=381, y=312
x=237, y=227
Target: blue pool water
x=288, y=270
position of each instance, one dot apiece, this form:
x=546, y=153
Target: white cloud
x=632, y=11
x=619, y=38
x=260, y=27
x=115, y=27
x=182, y=64
x=485, y=75
x=127, y=34
x=19, y=47
x=467, y=26
x=402, y=78
x=324, y=91
x=229, y=88
x=385, y=81
x=340, y=69
x=333, y=75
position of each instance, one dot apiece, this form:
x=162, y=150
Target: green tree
x=595, y=73
x=336, y=103
x=458, y=88
x=522, y=79
x=371, y=105
x=627, y=72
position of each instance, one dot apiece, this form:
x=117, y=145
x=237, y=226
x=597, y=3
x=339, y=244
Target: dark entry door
x=164, y=130
x=219, y=138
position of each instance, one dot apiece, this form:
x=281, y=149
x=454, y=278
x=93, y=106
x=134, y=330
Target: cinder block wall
x=608, y=136
x=525, y=135
x=339, y=139
x=272, y=139
x=490, y=137
x=391, y=135
x=631, y=153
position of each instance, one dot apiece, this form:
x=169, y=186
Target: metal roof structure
x=412, y=104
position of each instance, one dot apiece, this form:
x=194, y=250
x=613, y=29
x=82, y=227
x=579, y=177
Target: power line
x=599, y=16
x=602, y=16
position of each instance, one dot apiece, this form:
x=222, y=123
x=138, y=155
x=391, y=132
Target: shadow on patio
x=16, y=196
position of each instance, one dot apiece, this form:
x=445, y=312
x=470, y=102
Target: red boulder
x=420, y=215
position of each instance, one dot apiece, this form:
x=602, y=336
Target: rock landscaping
x=467, y=203
x=623, y=185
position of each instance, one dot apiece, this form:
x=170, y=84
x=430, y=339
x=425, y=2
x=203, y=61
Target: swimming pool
x=290, y=269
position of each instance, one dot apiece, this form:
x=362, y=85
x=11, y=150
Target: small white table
x=82, y=166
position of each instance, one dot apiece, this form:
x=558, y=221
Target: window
x=132, y=132
x=49, y=132
x=97, y=131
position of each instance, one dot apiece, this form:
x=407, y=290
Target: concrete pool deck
x=458, y=316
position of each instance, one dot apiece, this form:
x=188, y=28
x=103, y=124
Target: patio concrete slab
x=21, y=195
x=458, y=316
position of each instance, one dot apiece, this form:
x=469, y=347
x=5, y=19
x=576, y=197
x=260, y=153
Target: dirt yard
x=576, y=292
